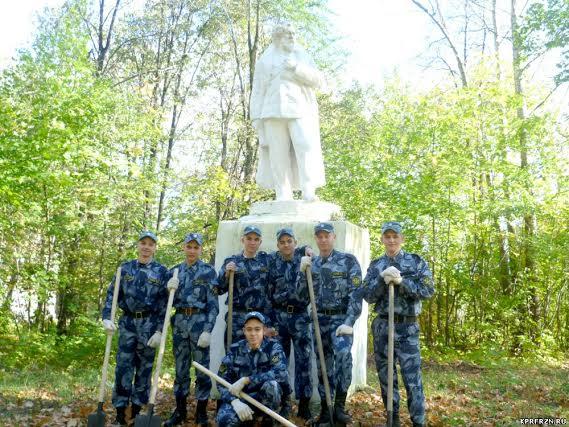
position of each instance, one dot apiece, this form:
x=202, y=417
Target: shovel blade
x=96, y=419
x=148, y=420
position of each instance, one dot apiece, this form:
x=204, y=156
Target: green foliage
x=546, y=27
x=446, y=163
x=84, y=161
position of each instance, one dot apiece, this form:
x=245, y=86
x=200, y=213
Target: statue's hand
x=290, y=64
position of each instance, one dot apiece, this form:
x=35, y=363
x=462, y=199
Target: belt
x=398, y=318
x=332, y=312
x=290, y=309
x=188, y=311
x=137, y=314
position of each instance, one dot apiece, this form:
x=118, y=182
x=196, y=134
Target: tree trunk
x=528, y=263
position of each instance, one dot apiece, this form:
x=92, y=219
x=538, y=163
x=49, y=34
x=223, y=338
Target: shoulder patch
x=356, y=281
x=275, y=359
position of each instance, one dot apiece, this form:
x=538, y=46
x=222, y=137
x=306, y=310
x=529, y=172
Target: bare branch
x=439, y=22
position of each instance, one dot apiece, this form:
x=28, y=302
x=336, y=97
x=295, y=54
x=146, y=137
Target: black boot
x=134, y=410
x=267, y=422
x=179, y=415
x=340, y=414
x=324, y=417
x=121, y=416
x=285, y=406
x=396, y=421
x=304, y=408
x=201, y=413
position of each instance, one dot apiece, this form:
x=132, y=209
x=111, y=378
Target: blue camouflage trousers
x=186, y=331
x=269, y=394
x=134, y=358
x=406, y=351
x=296, y=328
x=337, y=355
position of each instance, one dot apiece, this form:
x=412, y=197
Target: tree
x=546, y=27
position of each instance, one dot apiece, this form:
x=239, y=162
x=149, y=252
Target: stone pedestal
x=301, y=217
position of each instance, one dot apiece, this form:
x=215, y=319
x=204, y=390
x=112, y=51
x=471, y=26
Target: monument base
x=301, y=216
x=292, y=210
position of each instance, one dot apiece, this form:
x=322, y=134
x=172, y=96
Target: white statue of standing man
x=285, y=114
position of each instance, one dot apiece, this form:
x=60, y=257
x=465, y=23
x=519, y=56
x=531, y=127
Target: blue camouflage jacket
x=336, y=281
x=142, y=288
x=196, y=286
x=251, y=290
x=268, y=363
x=417, y=284
x=284, y=285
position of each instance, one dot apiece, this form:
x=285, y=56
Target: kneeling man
x=257, y=366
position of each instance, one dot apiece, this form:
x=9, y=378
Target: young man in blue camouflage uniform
x=336, y=278
x=251, y=291
x=292, y=321
x=255, y=365
x=143, y=297
x=196, y=309
x=413, y=282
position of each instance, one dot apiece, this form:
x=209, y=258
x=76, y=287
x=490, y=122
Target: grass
x=460, y=392
x=497, y=392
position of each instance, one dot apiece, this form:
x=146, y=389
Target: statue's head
x=283, y=36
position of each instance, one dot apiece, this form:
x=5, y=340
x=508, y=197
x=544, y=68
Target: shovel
x=97, y=419
x=390, y=332
x=229, y=339
x=151, y=420
x=244, y=396
x=319, y=345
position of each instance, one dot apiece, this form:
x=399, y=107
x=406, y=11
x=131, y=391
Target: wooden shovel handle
x=318, y=338
x=156, y=375
x=229, y=339
x=110, y=336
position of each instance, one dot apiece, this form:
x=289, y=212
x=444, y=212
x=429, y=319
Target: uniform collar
x=329, y=257
x=397, y=257
x=193, y=266
x=284, y=259
x=141, y=265
x=261, y=347
x=244, y=257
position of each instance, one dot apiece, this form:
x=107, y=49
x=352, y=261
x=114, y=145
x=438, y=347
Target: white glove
x=172, y=284
x=242, y=410
x=109, y=325
x=154, y=340
x=238, y=385
x=391, y=271
x=391, y=275
x=344, y=330
x=204, y=339
x=396, y=280
x=305, y=262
